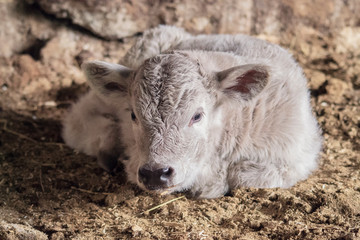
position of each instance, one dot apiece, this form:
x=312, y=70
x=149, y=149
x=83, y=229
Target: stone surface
x=21, y=30
x=9, y=231
x=24, y=27
x=121, y=18
x=108, y=19
x=317, y=79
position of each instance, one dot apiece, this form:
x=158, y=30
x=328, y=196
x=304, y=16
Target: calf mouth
x=161, y=189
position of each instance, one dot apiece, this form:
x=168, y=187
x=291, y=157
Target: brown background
x=49, y=191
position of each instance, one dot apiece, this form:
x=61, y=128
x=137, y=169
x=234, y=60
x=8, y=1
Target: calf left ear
x=245, y=81
x=108, y=79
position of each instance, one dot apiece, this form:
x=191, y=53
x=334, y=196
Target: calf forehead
x=165, y=87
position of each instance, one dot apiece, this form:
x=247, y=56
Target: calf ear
x=245, y=81
x=107, y=78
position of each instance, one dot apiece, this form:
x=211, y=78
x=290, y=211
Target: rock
x=28, y=66
x=317, y=79
x=116, y=198
x=347, y=40
x=41, y=84
x=108, y=19
x=57, y=236
x=337, y=89
x=9, y=231
x=27, y=70
x=122, y=18
x=136, y=228
x=20, y=29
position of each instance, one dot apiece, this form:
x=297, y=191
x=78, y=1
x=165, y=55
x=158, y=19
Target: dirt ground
x=49, y=191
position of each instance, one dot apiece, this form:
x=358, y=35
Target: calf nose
x=155, y=178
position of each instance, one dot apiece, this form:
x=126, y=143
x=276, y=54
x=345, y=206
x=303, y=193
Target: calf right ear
x=108, y=79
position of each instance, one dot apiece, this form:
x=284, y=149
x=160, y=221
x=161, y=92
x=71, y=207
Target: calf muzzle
x=154, y=179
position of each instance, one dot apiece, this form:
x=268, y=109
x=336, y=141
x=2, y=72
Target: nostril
x=166, y=173
x=141, y=172
x=144, y=174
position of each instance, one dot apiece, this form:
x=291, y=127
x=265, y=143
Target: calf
x=205, y=113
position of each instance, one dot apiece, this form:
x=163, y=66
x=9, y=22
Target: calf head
x=176, y=114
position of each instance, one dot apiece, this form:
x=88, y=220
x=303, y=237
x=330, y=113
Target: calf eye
x=133, y=116
x=196, y=118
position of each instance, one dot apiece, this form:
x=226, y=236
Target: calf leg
x=253, y=173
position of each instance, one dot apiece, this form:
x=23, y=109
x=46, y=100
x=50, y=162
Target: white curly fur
x=256, y=130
